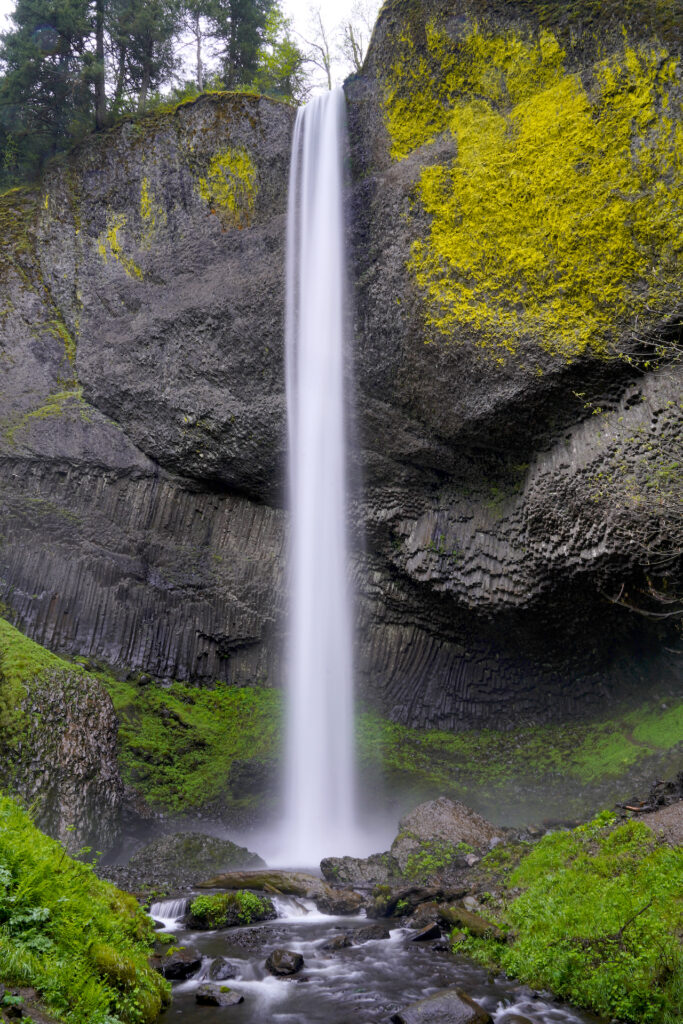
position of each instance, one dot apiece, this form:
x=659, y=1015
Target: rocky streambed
x=344, y=968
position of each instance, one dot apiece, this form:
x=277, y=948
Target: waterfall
x=319, y=770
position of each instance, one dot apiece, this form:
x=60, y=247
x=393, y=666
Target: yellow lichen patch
x=152, y=213
x=230, y=187
x=109, y=244
x=561, y=218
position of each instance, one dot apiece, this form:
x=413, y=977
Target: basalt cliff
x=515, y=253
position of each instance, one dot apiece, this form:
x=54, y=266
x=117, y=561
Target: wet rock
x=444, y=823
x=369, y=933
x=217, y=995
x=402, y=900
x=451, y=1006
x=339, y=901
x=426, y=913
x=514, y=1018
x=181, y=963
x=221, y=969
x=455, y=916
x=284, y=962
x=374, y=870
x=336, y=942
x=430, y=931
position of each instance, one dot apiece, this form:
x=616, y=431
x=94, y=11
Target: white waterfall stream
x=319, y=770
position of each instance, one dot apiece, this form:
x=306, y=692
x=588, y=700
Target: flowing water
x=319, y=763
x=365, y=983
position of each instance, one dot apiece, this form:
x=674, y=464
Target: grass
x=598, y=921
x=79, y=941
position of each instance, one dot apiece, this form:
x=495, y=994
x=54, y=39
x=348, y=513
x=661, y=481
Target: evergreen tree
x=240, y=27
x=46, y=95
x=141, y=42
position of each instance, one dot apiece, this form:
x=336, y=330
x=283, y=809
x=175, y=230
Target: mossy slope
x=79, y=941
x=596, y=915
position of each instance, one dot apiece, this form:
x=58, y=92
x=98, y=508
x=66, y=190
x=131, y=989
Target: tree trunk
x=100, y=94
x=198, y=37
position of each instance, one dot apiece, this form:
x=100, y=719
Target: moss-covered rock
x=228, y=909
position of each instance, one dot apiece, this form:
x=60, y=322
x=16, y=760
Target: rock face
x=518, y=485
x=66, y=762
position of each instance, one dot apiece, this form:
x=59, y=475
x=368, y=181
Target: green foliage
x=560, y=218
x=598, y=921
x=434, y=855
x=79, y=941
x=178, y=743
x=281, y=61
x=219, y=910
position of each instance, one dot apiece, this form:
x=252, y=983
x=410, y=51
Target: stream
x=363, y=984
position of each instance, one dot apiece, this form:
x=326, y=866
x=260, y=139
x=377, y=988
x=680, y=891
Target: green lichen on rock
x=230, y=187
x=559, y=219
x=228, y=909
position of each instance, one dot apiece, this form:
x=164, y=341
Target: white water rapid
x=319, y=760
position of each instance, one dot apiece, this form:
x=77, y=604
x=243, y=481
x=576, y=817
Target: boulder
x=228, y=910
x=179, y=964
x=217, y=995
x=401, y=901
x=221, y=969
x=370, y=933
x=450, y=1006
x=339, y=901
x=438, y=831
x=337, y=942
x=514, y=1018
x=377, y=869
x=284, y=962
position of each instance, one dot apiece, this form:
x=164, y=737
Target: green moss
x=178, y=743
x=21, y=662
x=79, y=941
x=598, y=921
x=230, y=187
x=560, y=218
x=227, y=908
x=586, y=752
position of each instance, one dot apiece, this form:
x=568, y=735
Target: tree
x=355, y=33
x=239, y=26
x=281, y=65
x=196, y=20
x=318, y=41
x=142, y=35
x=46, y=95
